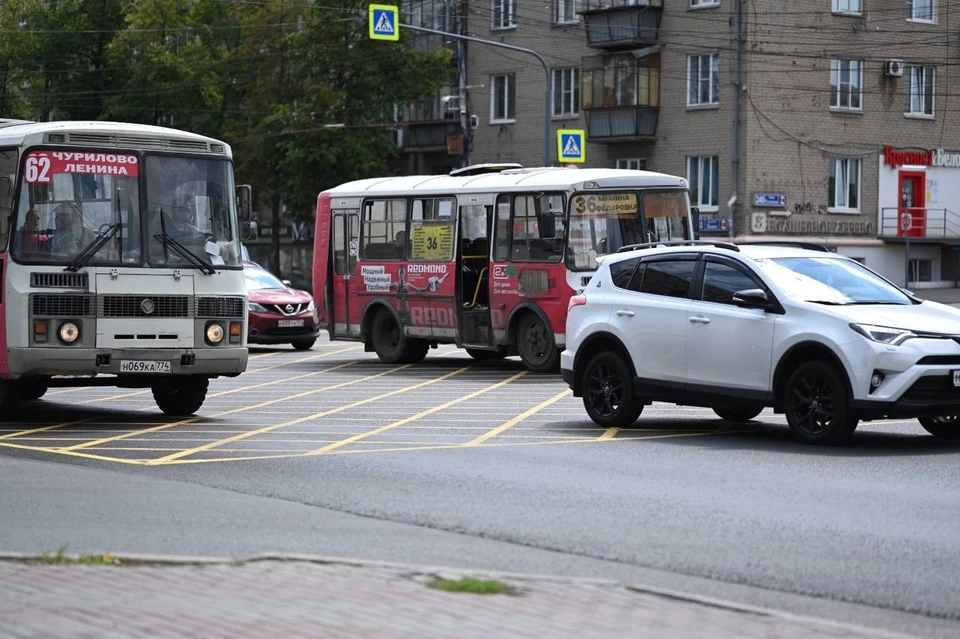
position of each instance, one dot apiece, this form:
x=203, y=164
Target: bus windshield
x=602, y=223
x=82, y=207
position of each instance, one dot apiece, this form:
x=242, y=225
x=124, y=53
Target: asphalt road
x=455, y=462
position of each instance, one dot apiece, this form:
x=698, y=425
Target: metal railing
x=919, y=223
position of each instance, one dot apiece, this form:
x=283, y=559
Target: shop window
x=921, y=270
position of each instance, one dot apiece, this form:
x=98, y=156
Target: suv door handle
x=699, y=319
x=625, y=313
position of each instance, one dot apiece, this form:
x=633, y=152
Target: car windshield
x=260, y=280
x=831, y=280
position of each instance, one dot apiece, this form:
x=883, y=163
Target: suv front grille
x=933, y=388
x=52, y=305
x=287, y=309
x=135, y=306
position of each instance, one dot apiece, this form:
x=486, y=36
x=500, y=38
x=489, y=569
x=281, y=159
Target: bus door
x=346, y=247
x=527, y=265
x=474, y=268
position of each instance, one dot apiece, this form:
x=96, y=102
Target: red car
x=278, y=314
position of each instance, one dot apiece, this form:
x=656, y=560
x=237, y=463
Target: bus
x=119, y=262
x=486, y=257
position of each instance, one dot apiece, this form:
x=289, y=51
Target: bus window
x=8, y=167
x=666, y=215
x=384, y=229
x=537, y=218
x=502, y=234
x=432, y=226
x=601, y=223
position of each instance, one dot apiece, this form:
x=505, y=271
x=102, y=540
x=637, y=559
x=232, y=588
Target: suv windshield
x=831, y=280
x=601, y=223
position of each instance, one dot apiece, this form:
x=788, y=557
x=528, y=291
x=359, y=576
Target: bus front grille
x=54, y=305
x=59, y=280
x=220, y=307
x=144, y=306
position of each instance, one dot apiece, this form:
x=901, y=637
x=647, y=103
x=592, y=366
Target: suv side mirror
x=287, y=283
x=752, y=298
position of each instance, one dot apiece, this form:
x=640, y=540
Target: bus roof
x=525, y=179
x=108, y=134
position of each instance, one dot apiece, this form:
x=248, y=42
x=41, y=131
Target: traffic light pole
x=548, y=96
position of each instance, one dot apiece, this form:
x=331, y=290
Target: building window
x=852, y=7
x=636, y=164
x=703, y=173
x=503, y=100
x=566, y=92
x=621, y=80
x=504, y=14
x=696, y=4
x=844, y=185
x=846, y=85
x=920, y=90
x=565, y=11
x=921, y=270
x=924, y=10
x=702, y=79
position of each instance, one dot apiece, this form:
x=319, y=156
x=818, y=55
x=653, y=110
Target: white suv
x=738, y=328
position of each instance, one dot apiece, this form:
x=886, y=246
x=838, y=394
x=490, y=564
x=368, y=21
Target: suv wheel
x=816, y=404
x=737, y=413
x=608, y=393
x=944, y=426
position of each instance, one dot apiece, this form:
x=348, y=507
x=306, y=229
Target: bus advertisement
x=486, y=258
x=119, y=262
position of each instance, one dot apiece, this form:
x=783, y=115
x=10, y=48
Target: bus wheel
x=33, y=390
x=536, y=346
x=9, y=399
x=388, y=339
x=180, y=396
x=416, y=351
x=486, y=356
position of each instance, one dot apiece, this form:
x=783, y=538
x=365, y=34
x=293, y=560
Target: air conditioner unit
x=893, y=68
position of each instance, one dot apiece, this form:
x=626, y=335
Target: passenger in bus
x=71, y=234
x=31, y=238
x=400, y=242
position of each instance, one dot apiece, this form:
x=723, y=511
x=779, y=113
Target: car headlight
x=883, y=334
x=214, y=333
x=253, y=307
x=68, y=332
x=311, y=307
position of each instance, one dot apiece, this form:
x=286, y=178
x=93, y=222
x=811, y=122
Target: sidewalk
x=314, y=597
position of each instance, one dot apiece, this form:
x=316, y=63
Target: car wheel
x=943, y=426
x=181, y=396
x=738, y=413
x=817, y=406
x=484, y=356
x=608, y=392
x=536, y=346
x=304, y=344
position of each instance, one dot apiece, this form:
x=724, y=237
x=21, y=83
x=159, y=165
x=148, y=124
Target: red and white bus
x=120, y=262
x=486, y=258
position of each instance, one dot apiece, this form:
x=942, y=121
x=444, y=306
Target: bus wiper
x=93, y=247
x=185, y=253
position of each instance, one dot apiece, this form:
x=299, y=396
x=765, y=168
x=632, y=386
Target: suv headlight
x=311, y=307
x=883, y=334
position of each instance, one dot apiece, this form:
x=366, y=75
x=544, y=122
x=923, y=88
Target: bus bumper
x=209, y=362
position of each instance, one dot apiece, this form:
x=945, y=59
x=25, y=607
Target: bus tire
x=33, y=389
x=536, y=345
x=417, y=350
x=485, y=355
x=389, y=342
x=303, y=344
x=9, y=399
x=180, y=396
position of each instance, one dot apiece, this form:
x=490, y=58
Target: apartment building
x=831, y=121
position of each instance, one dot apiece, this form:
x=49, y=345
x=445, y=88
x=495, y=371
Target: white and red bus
x=486, y=258
x=119, y=262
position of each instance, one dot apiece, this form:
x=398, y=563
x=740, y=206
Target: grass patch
x=60, y=557
x=471, y=585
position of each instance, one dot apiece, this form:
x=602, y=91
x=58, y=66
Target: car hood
x=275, y=296
x=929, y=317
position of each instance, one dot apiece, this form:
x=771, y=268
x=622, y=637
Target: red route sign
x=41, y=166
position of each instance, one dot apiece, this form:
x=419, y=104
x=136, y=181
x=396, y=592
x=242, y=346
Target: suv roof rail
x=810, y=246
x=724, y=245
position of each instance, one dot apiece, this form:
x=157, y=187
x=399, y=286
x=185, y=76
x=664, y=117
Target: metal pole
x=548, y=96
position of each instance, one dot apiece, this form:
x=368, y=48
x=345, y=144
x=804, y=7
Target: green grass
x=471, y=585
x=59, y=557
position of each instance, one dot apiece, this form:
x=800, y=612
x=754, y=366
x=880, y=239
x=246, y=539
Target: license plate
x=956, y=377
x=137, y=366
x=292, y=323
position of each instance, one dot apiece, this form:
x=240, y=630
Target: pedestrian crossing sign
x=384, y=22
x=571, y=146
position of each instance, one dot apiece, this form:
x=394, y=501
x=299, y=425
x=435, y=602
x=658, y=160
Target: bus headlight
x=214, y=334
x=68, y=332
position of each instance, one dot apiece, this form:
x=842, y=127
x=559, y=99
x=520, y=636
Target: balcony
x=614, y=24
x=622, y=124
x=921, y=225
x=426, y=135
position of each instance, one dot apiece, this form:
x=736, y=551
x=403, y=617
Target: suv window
x=621, y=272
x=668, y=277
x=721, y=281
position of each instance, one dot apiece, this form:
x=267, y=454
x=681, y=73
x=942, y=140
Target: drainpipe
x=735, y=146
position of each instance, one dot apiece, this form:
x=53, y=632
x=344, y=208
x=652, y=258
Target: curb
x=144, y=559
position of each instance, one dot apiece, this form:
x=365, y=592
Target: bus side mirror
x=245, y=202
x=695, y=215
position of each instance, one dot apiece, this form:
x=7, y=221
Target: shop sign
x=819, y=225
x=935, y=157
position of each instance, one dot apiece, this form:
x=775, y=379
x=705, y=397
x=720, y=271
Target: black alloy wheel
x=536, y=346
x=817, y=406
x=608, y=393
x=737, y=413
x=945, y=427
